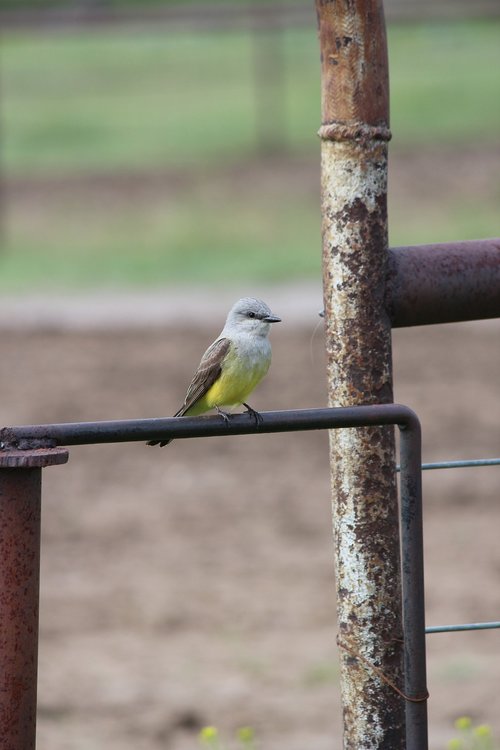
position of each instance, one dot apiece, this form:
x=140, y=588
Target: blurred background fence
x=260, y=13
x=159, y=143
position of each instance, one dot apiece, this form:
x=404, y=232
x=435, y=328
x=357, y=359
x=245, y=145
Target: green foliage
x=209, y=738
x=470, y=737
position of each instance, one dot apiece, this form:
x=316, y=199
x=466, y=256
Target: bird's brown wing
x=207, y=373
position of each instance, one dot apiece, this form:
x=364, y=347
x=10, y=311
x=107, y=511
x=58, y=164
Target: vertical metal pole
x=354, y=134
x=20, y=498
x=413, y=587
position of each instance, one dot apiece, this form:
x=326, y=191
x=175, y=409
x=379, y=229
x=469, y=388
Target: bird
x=233, y=365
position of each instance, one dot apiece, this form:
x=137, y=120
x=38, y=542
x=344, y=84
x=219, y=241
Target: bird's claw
x=223, y=414
x=256, y=416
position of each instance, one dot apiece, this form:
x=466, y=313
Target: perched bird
x=233, y=365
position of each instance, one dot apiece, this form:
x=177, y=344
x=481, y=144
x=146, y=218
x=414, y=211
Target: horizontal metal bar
x=120, y=431
x=458, y=628
x=444, y=283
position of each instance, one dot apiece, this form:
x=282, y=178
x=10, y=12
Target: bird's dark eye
x=251, y=315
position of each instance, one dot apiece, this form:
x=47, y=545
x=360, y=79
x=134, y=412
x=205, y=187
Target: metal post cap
x=33, y=458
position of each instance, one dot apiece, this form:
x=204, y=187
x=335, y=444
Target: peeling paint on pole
x=354, y=134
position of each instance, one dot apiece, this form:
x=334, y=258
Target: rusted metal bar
x=20, y=498
x=444, y=283
x=29, y=437
x=355, y=132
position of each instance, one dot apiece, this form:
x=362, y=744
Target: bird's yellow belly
x=232, y=389
x=241, y=372
x=237, y=380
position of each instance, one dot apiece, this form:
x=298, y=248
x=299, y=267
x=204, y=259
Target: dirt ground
x=193, y=585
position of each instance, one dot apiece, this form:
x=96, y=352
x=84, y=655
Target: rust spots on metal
x=444, y=283
x=19, y=584
x=353, y=53
x=20, y=503
x=354, y=229
x=10, y=442
x=36, y=458
x=355, y=131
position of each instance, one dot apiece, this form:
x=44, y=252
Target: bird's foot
x=223, y=414
x=254, y=414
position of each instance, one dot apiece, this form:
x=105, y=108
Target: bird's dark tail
x=162, y=443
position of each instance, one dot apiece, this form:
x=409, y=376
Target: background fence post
x=354, y=134
x=20, y=500
x=269, y=84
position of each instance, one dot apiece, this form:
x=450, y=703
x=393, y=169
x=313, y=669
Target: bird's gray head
x=250, y=315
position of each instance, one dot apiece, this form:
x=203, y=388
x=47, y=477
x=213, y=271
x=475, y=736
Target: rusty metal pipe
x=443, y=283
x=20, y=496
x=20, y=500
x=354, y=133
x=28, y=437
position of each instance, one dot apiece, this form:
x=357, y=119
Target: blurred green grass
x=130, y=102
x=124, y=100
x=132, y=99
x=213, y=228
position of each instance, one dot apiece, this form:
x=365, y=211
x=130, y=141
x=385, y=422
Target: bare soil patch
x=193, y=585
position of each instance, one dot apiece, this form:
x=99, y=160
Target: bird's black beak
x=272, y=319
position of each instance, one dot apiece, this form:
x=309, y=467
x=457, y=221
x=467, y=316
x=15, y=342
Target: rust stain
x=444, y=283
x=356, y=86
x=355, y=131
x=20, y=507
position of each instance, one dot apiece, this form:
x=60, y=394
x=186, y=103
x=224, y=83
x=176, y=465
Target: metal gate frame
x=25, y=450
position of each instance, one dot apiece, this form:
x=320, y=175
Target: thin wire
x=311, y=340
x=458, y=628
x=473, y=462
x=455, y=465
